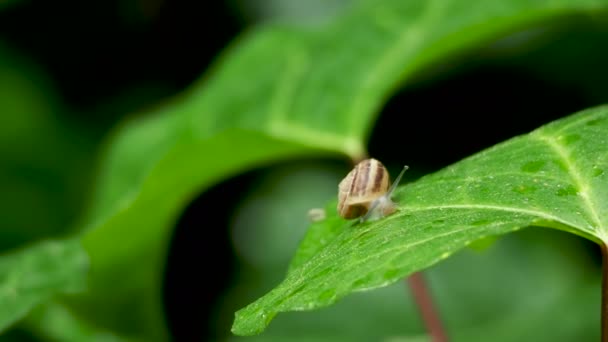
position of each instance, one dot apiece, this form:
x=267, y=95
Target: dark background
x=106, y=60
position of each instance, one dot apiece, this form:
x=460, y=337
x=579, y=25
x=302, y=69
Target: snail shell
x=365, y=192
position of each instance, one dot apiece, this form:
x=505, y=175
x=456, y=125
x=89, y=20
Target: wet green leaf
x=553, y=177
x=514, y=290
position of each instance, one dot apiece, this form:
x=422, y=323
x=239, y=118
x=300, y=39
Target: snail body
x=365, y=191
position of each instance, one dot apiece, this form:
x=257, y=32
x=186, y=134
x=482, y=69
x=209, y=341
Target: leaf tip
x=250, y=321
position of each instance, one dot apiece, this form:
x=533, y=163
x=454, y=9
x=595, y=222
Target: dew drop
x=480, y=222
x=570, y=139
x=265, y=317
x=361, y=282
x=568, y=191
x=597, y=172
x=325, y=272
x=523, y=189
x=594, y=122
x=533, y=166
x=297, y=290
x=327, y=295
x=391, y=274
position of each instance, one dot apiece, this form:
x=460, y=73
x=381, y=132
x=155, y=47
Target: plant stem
x=429, y=314
x=604, y=314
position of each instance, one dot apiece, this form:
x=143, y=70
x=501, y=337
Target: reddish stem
x=423, y=300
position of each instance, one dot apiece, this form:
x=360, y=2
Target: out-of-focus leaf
x=557, y=53
x=32, y=276
x=272, y=219
x=4, y=4
x=306, y=12
x=280, y=92
x=54, y=322
x=44, y=159
x=113, y=245
x=553, y=177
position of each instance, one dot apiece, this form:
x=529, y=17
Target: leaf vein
x=537, y=213
x=584, y=193
x=481, y=178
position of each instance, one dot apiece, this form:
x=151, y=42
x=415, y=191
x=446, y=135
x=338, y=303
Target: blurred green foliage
x=33, y=275
x=309, y=84
x=45, y=161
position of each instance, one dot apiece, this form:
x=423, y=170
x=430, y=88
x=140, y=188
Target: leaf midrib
x=282, y=127
x=585, y=193
x=536, y=213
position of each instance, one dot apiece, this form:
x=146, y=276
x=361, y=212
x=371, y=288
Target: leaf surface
x=553, y=177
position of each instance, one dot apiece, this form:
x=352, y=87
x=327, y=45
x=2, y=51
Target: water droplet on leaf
x=533, y=166
x=524, y=189
x=597, y=172
x=391, y=274
x=327, y=295
x=568, y=191
x=594, y=122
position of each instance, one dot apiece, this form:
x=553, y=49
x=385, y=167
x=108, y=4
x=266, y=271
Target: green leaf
x=279, y=92
x=534, y=285
x=516, y=289
x=553, y=177
x=54, y=322
x=142, y=229
x=32, y=276
x=53, y=183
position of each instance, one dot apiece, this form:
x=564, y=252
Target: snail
x=365, y=191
